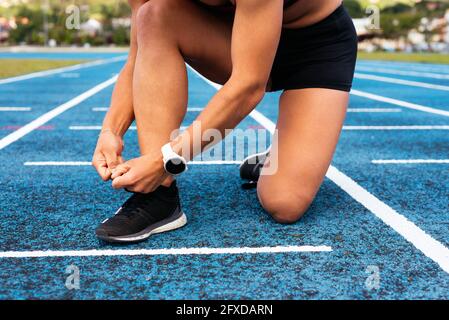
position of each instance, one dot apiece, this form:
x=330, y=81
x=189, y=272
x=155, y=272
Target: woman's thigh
x=308, y=129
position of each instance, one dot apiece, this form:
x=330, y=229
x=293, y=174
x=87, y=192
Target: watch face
x=175, y=166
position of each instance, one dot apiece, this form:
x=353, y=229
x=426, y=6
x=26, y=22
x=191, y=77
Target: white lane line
x=399, y=65
x=405, y=73
x=105, y=109
x=57, y=163
x=412, y=127
x=19, y=133
x=409, y=67
x=100, y=109
x=411, y=161
x=402, y=82
x=157, y=252
x=412, y=233
x=97, y=128
x=374, y=110
x=70, y=75
x=19, y=109
x=61, y=70
x=87, y=163
x=430, y=247
x=93, y=128
x=399, y=103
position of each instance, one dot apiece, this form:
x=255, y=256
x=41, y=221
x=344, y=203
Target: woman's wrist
x=118, y=130
x=116, y=121
x=180, y=145
x=110, y=130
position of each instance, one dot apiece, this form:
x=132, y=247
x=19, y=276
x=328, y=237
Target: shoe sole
x=169, y=224
x=244, y=162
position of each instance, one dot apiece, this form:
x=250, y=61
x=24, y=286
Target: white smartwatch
x=174, y=164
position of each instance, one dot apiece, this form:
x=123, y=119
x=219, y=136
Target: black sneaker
x=143, y=215
x=251, y=167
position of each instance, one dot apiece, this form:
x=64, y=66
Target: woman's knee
x=285, y=206
x=155, y=13
x=136, y=4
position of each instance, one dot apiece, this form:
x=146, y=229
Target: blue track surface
x=58, y=208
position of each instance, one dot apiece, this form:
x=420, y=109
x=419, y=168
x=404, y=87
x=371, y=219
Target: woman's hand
x=108, y=154
x=143, y=174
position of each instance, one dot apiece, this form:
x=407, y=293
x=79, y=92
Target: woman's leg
x=170, y=32
x=309, y=125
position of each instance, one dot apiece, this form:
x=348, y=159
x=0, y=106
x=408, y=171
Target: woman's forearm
x=224, y=112
x=253, y=51
x=121, y=114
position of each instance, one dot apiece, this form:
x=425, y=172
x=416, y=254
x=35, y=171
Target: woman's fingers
x=135, y=175
x=100, y=164
x=130, y=183
x=120, y=170
x=123, y=181
x=112, y=160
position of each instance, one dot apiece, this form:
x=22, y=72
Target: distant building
x=91, y=26
x=5, y=26
x=121, y=22
x=415, y=37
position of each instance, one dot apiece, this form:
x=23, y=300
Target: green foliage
x=397, y=9
x=382, y=4
x=354, y=8
x=28, y=27
x=397, y=25
x=32, y=32
x=397, y=18
x=121, y=36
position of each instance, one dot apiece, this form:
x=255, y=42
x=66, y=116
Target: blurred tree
x=397, y=8
x=398, y=25
x=398, y=17
x=30, y=19
x=121, y=36
x=354, y=8
x=29, y=24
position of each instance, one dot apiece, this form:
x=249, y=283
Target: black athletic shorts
x=322, y=55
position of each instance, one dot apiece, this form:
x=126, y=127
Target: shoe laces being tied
x=151, y=207
x=128, y=209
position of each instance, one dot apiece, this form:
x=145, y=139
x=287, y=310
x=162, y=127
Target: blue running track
x=378, y=229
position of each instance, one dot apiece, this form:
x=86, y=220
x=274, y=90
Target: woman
x=305, y=48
